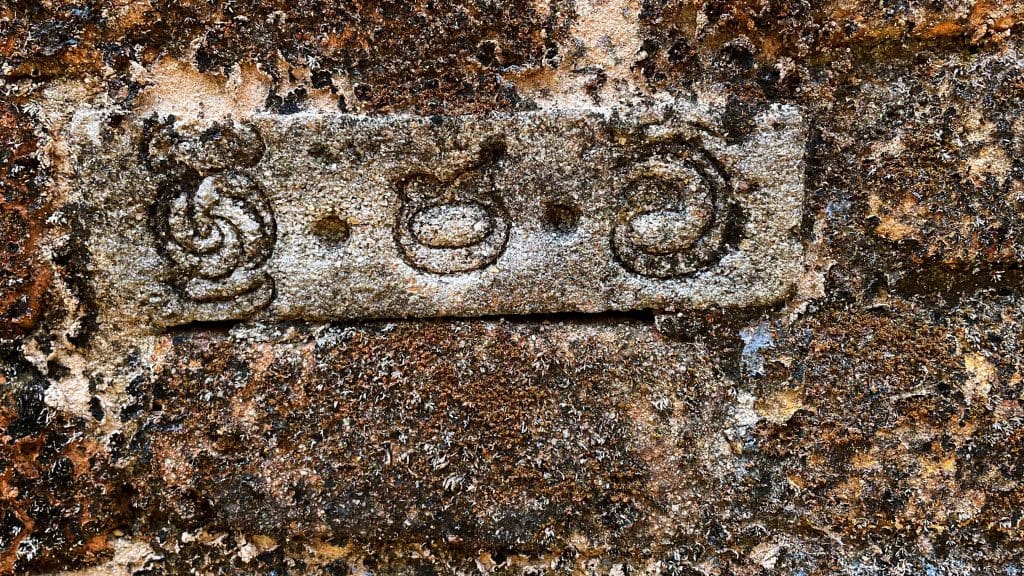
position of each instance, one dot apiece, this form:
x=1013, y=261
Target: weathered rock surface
x=862, y=415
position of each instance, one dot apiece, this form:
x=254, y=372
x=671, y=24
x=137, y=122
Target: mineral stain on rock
x=24, y=276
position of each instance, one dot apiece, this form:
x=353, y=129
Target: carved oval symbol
x=452, y=225
x=668, y=231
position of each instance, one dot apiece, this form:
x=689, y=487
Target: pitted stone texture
x=492, y=434
x=645, y=207
x=24, y=276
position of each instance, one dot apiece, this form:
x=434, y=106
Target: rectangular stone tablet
x=319, y=216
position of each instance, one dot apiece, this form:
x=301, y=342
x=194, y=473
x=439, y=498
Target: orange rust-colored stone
x=943, y=29
x=44, y=465
x=25, y=276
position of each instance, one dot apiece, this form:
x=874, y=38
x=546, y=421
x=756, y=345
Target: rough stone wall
x=870, y=423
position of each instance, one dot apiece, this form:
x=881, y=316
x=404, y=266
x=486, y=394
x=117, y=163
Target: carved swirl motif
x=219, y=236
x=217, y=230
x=676, y=215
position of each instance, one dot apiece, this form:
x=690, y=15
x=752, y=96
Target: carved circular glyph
x=450, y=227
x=674, y=218
x=218, y=236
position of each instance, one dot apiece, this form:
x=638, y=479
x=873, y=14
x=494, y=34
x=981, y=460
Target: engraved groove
x=218, y=237
x=453, y=226
x=213, y=223
x=675, y=215
x=412, y=217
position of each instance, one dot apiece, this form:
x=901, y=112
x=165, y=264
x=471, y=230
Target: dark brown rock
x=61, y=499
x=24, y=276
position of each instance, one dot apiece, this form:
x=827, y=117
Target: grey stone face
x=323, y=216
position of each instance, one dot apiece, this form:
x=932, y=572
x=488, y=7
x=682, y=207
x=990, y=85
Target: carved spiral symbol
x=218, y=237
x=676, y=216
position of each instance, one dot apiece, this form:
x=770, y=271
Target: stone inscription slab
x=327, y=216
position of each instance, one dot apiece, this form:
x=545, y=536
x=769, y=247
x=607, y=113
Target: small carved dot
x=561, y=217
x=332, y=227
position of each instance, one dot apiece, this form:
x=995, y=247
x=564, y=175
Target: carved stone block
x=323, y=216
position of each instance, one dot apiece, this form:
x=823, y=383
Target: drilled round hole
x=561, y=217
x=332, y=227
